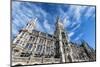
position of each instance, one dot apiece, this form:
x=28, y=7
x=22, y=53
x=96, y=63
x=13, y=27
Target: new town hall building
x=35, y=47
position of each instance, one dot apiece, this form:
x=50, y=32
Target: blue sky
x=78, y=20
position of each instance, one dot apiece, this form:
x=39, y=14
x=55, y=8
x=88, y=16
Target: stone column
x=61, y=48
x=53, y=52
x=71, y=52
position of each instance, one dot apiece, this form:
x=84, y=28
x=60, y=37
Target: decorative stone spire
x=59, y=24
x=31, y=25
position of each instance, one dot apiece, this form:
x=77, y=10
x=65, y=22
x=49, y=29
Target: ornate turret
x=31, y=25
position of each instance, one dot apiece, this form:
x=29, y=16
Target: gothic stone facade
x=34, y=47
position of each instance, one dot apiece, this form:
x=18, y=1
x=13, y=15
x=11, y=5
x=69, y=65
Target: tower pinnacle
x=31, y=25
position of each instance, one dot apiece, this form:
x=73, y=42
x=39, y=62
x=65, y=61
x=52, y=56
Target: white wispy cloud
x=48, y=27
x=66, y=22
x=90, y=12
x=78, y=37
x=65, y=18
x=39, y=27
x=75, y=28
x=14, y=30
x=19, y=18
x=21, y=15
x=73, y=24
x=71, y=34
x=76, y=11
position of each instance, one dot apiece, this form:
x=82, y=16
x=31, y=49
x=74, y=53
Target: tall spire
x=34, y=19
x=31, y=25
x=61, y=35
x=58, y=19
x=59, y=23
